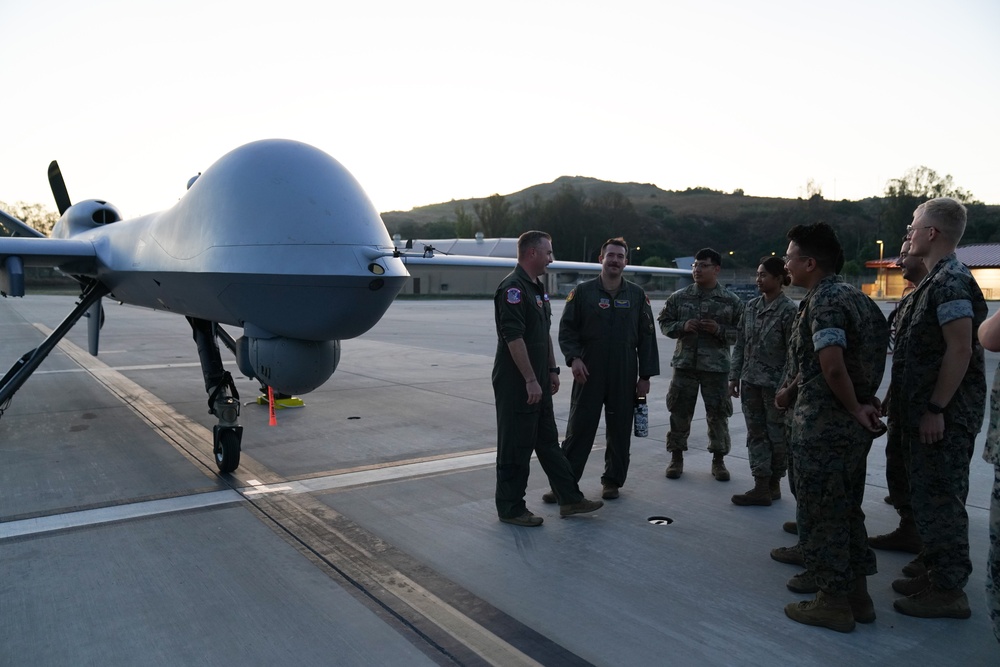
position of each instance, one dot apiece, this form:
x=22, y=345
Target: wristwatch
x=934, y=408
x=554, y=369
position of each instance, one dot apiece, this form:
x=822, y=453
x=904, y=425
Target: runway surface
x=361, y=529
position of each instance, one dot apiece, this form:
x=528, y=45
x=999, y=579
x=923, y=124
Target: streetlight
x=881, y=269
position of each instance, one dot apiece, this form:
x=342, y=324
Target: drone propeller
x=95, y=313
x=58, y=186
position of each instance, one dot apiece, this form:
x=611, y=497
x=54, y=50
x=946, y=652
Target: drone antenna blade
x=58, y=186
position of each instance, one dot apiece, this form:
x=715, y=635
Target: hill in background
x=582, y=212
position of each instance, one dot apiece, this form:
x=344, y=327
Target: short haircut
x=776, y=267
x=820, y=242
x=947, y=215
x=618, y=241
x=528, y=240
x=708, y=253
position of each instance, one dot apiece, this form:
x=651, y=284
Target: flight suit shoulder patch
x=513, y=295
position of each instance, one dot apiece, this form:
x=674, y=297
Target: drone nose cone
x=271, y=193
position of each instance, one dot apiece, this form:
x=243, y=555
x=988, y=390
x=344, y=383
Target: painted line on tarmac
x=140, y=367
x=309, y=524
x=94, y=517
x=254, y=489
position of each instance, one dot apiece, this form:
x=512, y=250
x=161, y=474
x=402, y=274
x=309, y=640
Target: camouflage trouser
x=939, y=486
x=766, y=447
x=896, y=478
x=993, y=563
x=830, y=486
x=681, y=399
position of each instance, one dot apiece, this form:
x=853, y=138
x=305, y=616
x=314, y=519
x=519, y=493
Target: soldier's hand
x=868, y=416
x=534, y=391
x=555, y=383
x=783, y=398
x=734, y=389
x=580, y=372
x=692, y=326
x=931, y=428
x=709, y=326
x=642, y=388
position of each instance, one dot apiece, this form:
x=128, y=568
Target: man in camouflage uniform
x=525, y=376
x=839, y=341
x=758, y=365
x=989, y=336
x=942, y=396
x=607, y=336
x=905, y=536
x=703, y=317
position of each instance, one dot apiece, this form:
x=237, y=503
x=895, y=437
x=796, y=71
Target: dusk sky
x=430, y=101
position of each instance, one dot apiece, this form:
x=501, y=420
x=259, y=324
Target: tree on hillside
x=903, y=195
x=495, y=215
x=464, y=223
x=618, y=214
x=35, y=215
x=577, y=230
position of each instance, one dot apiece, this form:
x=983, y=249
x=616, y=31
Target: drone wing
x=436, y=259
x=69, y=255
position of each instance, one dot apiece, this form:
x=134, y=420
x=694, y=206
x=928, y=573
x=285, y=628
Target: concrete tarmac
x=361, y=529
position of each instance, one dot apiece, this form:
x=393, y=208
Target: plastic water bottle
x=641, y=417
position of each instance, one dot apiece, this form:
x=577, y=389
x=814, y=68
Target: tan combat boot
x=719, y=471
x=775, y=486
x=904, y=538
x=934, y=602
x=861, y=603
x=825, y=611
x=760, y=494
x=676, y=467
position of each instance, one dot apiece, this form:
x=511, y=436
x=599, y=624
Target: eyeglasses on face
x=910, y=229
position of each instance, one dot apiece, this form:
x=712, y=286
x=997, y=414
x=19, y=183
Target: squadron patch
x=513, y=296
x=604, y=302
x=538, y=300
x=572, y=293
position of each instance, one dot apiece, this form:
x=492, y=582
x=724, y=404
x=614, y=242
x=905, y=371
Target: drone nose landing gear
x=227, y=434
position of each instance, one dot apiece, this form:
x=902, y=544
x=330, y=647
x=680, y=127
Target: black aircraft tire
x=227, y=450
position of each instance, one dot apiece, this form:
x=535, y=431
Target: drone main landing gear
x=223, y=399
x=224, y=403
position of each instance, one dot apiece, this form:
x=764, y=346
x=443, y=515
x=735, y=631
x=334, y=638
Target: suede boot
x=934, y=602
x=825, y=611
x=861, y=603
x=904, y=538
x=760, y=494
x=912, y=585
x=775, y=487
x=791, y=555
x=676, y=467
x=719, y=471
x=803, y=582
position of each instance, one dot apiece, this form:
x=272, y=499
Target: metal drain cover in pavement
x=660, y=520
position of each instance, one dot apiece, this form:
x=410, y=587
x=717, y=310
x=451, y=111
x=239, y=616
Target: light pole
x=881, y=269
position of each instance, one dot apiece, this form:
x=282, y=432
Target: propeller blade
x=58, y=186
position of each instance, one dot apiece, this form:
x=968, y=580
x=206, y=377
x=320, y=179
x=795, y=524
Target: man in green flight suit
x=607, y=336
x=704, y=318
x=525, y=376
